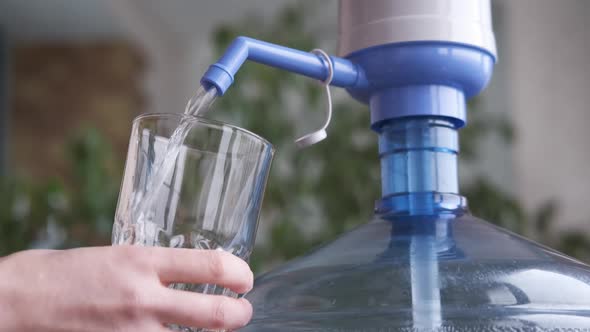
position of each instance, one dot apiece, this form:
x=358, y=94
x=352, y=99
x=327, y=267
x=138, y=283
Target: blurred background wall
x=75, y=73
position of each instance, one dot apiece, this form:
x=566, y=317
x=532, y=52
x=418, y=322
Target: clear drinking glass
x=211, y=197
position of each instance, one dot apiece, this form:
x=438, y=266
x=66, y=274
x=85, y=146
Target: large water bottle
x=451, y=272
x=424, y=263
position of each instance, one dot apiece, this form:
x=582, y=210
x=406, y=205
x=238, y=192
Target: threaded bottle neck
x=419, y=165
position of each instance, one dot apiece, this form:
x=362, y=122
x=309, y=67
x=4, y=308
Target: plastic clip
x=320, y=134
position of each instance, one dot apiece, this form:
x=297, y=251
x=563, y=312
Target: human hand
x=120, y=288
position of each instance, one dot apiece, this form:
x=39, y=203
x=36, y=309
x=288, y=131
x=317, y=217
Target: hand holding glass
x=209, y=199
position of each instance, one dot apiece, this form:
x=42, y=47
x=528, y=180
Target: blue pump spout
x=221, y=74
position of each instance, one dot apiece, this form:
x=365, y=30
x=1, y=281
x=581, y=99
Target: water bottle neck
x=419, y=166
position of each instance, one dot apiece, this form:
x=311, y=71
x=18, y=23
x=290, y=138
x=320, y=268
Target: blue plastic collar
x=421, y=79
x=418, y=100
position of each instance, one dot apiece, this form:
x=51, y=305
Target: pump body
x=423, y=263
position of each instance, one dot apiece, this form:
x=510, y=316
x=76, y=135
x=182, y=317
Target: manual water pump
x=423, y=263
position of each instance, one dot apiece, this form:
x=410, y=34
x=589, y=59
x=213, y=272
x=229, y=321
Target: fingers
x=161, y=329
x=202, y=267
x=158, y=329
x=204, y=311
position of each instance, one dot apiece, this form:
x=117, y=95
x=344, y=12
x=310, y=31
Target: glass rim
x=206, y=122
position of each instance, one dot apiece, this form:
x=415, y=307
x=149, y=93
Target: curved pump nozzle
x=317, y=64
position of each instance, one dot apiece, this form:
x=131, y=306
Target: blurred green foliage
x=63, y=214
x=312, y=195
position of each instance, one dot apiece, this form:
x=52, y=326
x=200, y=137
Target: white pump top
x=366, y=23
